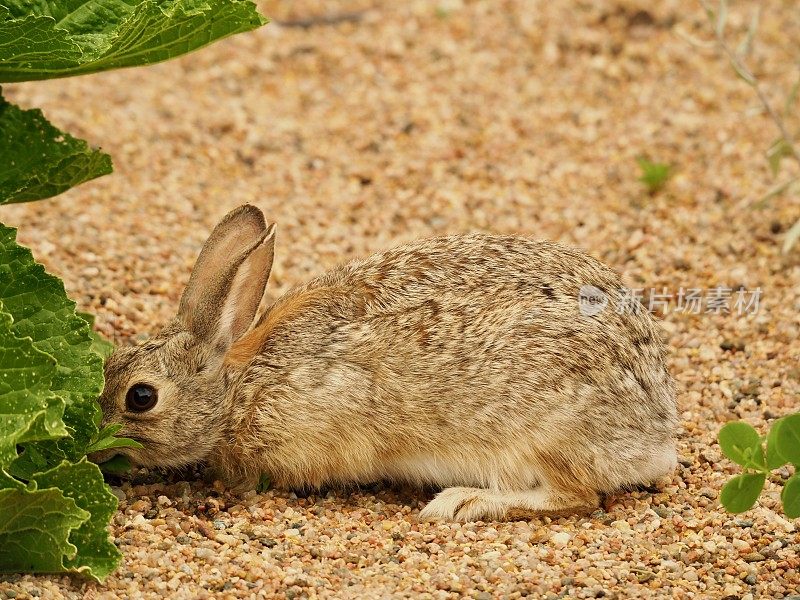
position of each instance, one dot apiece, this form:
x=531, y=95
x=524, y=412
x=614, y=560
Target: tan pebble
x=690, y=575
x=140, y=506
x=753, y=557
x=741, y=545
x=621, y=526
x=292, y=533
x=139, y=521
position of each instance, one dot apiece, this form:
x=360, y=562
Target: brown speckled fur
x=455, y=361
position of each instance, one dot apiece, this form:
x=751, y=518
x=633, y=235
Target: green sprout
x=654, y=174
x=742, y=444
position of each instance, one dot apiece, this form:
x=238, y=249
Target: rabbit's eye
x=141, y=397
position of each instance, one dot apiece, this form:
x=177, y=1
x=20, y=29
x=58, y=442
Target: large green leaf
x=790, y=496
x=59, y=522
x=35, y=529
x=741, y=492
x=788, y=439
x=83, y=483
x=42, y=312
x=100, y=345
x=53, y=513
x=28, y=409
x=43, y=39
x=37, y=160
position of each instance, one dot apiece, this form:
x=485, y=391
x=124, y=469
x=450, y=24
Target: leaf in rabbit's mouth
x=264, y=483
x=142, y=439
x=118, y=464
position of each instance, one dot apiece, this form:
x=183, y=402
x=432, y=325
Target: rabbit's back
x=453, y=347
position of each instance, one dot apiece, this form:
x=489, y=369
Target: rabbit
x=463, y=362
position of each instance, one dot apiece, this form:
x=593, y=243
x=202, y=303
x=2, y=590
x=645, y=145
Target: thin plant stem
x=751, y=80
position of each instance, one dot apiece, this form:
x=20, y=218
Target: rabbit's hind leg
x=477, y=504
x=464, y=504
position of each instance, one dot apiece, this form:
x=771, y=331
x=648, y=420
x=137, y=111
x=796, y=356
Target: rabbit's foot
x=476, y=504
x=237, y=482
x=464, y=504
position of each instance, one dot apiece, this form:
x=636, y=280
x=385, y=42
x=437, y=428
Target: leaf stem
x=751, y=80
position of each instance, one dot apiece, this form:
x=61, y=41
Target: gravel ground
x=413, y=119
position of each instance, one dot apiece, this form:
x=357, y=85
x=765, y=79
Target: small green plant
x=654, y=174
x=741, y=443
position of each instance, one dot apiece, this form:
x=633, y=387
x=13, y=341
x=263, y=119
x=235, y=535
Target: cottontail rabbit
x=458, y=361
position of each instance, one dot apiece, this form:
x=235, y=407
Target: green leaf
x=100, y=345
x=774, y=459
x=83, y=483
x=56, y=38
x=264, y=483
x=35, y=526
x=59, y=522
x=741, y=492
x=654, y=174
x=105, y=439
x=116, y=465
x=37, y=160
x=7, y=481
x=779, y=150
x=47, y=367
x=28, y=410
x=741, y=443
x=743, y=73
x=787, y=441
x=109, y=430
x=112, y=442
x=790, y=497
x=42, y=312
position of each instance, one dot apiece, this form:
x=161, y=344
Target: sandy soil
x=416, y=119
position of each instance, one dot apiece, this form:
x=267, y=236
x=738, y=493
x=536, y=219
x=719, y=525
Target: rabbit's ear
x=229, y=277
x=241, y=304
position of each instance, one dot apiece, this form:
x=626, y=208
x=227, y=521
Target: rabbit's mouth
x=102, y=456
